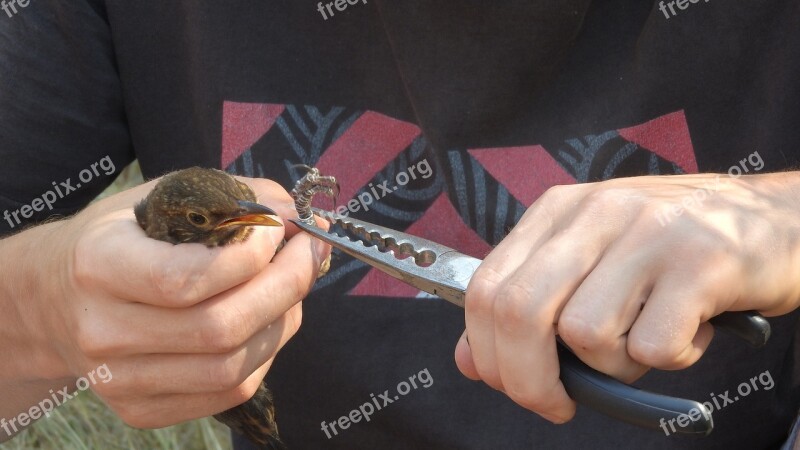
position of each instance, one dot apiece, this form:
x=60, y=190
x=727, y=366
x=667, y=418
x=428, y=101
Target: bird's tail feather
x=255, y=420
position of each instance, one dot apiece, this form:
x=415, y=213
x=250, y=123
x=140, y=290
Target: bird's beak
x=251, y=214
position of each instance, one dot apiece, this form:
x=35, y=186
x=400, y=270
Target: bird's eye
x=197, y=219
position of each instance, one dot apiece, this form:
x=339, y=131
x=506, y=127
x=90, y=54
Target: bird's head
x=201, y=205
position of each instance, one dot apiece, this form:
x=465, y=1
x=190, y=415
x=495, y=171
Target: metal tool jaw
x=426, y=265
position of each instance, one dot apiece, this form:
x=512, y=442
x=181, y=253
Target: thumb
x=463, y=356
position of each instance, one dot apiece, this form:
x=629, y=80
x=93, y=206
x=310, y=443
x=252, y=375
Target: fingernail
x=321, y=252
x=275, y=237
x=324, y=267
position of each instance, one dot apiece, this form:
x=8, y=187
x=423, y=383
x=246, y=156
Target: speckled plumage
x=211, y=193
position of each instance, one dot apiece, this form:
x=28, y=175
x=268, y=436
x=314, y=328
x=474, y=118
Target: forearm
x=777, y=197
x=31, y=363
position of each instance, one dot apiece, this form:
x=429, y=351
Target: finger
x=479, y=319
x=524, y=328
x=595, y=321
x=217, y=325
x=463, y=357
x=535, y=228
x=671, y=331
x=531, y=301
x=114, y=255
x=164, y=410
x=153, y=374
x=292, y=229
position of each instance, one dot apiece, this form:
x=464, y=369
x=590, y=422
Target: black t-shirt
x=471, y=110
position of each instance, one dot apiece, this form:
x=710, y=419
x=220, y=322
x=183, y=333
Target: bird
x=199, y=205
x=209, y=206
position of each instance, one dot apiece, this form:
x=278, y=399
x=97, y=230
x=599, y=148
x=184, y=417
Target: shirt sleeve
x=63, y=133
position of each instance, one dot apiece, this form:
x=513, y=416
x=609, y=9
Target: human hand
x=186, y=331
x=627, y=272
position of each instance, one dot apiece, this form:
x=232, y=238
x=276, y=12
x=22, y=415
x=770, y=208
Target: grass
x=85, y=423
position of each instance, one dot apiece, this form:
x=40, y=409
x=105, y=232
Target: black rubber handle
x=628, y=404
x=672, y=415
x=747, y=325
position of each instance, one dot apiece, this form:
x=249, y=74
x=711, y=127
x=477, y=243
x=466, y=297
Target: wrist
x=29, y=289
x=774, y=230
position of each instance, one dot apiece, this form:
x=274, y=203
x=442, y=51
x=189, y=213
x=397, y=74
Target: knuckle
x=606, y=197
x=134, y=414
x=722, y=249
x=107, y=390
x=654, y=218
x=224, y=332
x=83, y=269
x=558, y=192
x=515, y=309
x=226, y=374
x=91, y=340
x=490, y=375
x=524, y=396
x=294, y=318
x=300, y=281
x=291, y=284
x=654, y=211
x=172, y=283
x=259, y=256
x=531, y=397
x=547, y=205
x=650, y=354
x=482, y=291
x=243, y=392
x=568, y=254
x=583, y=333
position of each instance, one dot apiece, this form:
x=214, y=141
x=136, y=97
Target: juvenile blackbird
x=210, y=207
x=201, y=205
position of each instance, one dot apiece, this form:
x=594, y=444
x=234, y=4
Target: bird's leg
x=311, y=184
x=303, y=193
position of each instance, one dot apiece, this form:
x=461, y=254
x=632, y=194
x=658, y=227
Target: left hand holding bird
x=187, y=331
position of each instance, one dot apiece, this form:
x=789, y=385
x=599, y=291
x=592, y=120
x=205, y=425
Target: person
x=535, y=135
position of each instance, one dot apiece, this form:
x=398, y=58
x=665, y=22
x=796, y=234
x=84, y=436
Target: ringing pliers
x=445, y=272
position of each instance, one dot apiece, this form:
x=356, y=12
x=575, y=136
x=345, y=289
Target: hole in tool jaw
x=400, y=251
